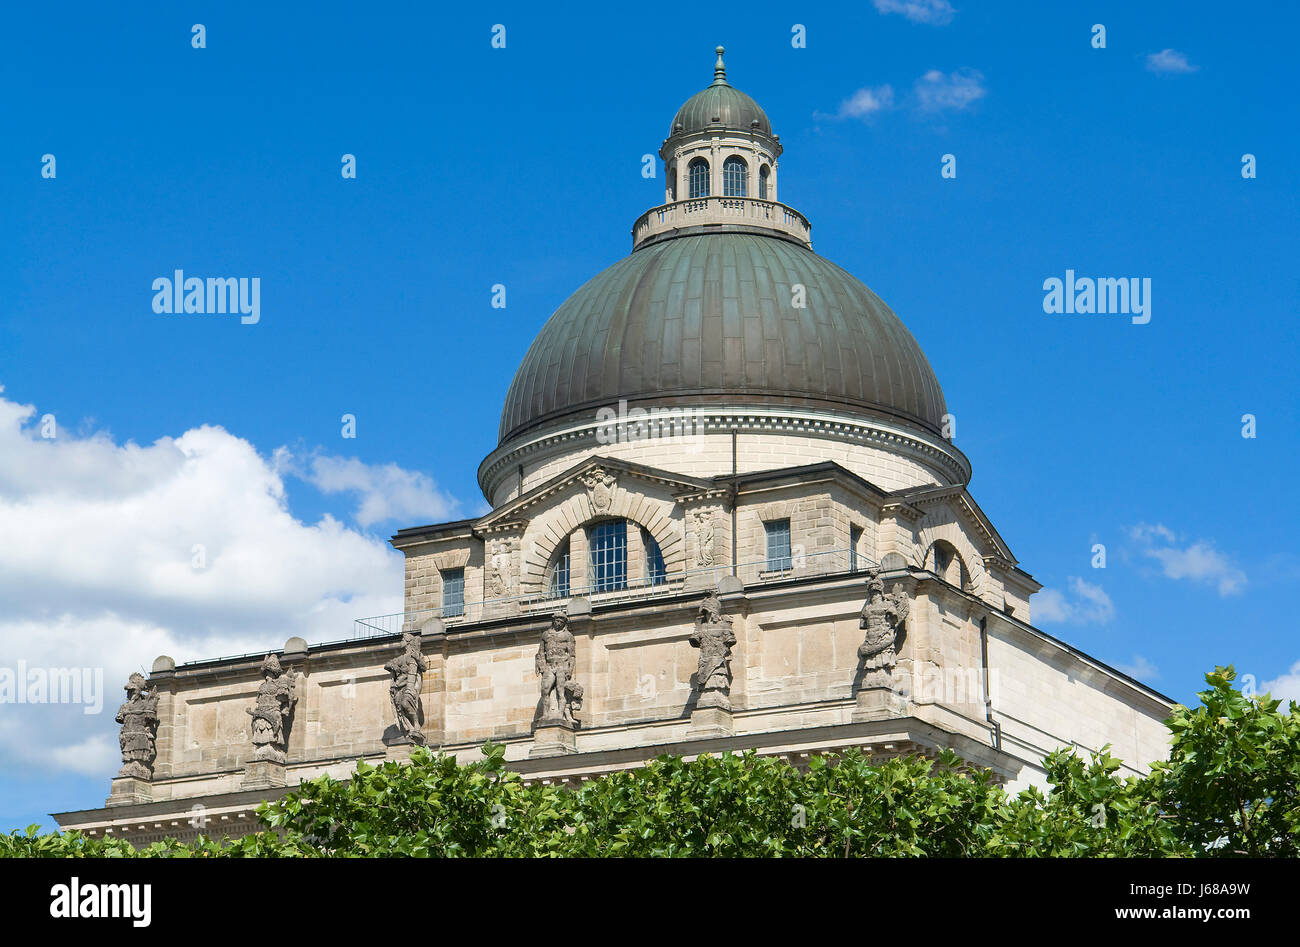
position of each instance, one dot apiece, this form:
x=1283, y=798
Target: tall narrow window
x=699, y=177
x=655, y=572
x=942, y=560
x=453, y=593
x=672, y=183
x=762, y=183
x=778, y=544
x=735, y=177
x=609, y=556
x=855, y=536
x=558, y=586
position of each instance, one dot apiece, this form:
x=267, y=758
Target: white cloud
x=935, y=12
x=1140, y=668
x=1169, y=61
x=864, y=103
x=1286, y=687
x=97, y=564
x=1200, y=561
x=1085, y=604
x=385, y=492
x=956, y=91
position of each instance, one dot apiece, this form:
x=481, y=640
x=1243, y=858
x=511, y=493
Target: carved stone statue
x=704, y=538
x=275, y=701
x=407, y=670
x=714, y=637
x=139, y=720
x=883, y=618
x=561, y=695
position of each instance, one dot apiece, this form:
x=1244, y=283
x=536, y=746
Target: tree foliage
x=1229, y=788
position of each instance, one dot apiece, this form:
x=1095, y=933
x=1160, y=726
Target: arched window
x=655, y=571
x=699, y=178
x=672, y=183
x=735, y=177
x=558, y=583
x=608, y=567
x=762, y=182
x=947, y=563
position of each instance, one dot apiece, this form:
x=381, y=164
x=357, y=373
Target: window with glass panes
x=855, y=535
x=559, y=585
x=453, y=593
x=735, y=174
x=762, y=183
x=608, y=543
x=778, y=544
x=655, y=572
x=698, y=173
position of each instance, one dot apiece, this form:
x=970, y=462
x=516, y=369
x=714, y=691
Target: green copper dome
x=720, y=102
x=708, y=319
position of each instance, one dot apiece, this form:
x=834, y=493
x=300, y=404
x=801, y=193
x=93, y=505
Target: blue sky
x=522, y=166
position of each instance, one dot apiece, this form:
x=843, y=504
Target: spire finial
x=720, y=68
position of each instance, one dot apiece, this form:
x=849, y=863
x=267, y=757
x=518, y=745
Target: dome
x=733, y=108
x=707, y=319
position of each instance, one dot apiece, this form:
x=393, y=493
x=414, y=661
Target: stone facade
x=795, y=667
x=777, y=574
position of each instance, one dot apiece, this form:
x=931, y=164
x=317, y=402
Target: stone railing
x=721, y=211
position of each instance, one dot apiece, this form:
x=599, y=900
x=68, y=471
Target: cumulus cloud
x=1169, y=61
x=1084, y=604
x=385, y=493
x=951, y=92
x=864, y=103
x=936, y=12
x=114, y=553
x=1285, y=687
x=1198, y=561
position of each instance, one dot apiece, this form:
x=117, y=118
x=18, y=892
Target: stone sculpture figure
x=139, y=720
x=714, y=636
x=407, y=670
x=501, y=568
x=561, y=695
x=704, y=538
x=275, y=701
x=883, y=618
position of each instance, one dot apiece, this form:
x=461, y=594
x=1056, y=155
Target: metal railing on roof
x=798, y=565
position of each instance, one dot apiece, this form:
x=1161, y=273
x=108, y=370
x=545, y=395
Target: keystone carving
x=600, y=488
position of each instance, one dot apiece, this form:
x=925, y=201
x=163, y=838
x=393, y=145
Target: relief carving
x=705, y=538
x=600, y=489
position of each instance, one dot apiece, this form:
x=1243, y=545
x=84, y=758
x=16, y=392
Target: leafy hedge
x=1229, y=788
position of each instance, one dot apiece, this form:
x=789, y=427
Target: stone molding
x=896, y=436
